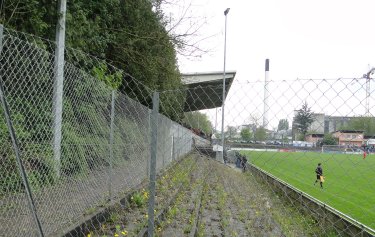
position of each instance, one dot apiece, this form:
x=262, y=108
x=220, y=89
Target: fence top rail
x=324, y=205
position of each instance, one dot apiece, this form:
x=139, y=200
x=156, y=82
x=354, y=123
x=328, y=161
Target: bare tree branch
x=185, y=29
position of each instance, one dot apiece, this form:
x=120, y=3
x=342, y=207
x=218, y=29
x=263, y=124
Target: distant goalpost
x=333, y=149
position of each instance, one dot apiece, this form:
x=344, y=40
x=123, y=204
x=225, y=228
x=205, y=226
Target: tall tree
x=283, y=125
x=246, y=134
x=329, y=139
x=198, y=120
x=231, y=131
x=260, y=134
x=303, y=119
x=187, y=27
x=129, y=33
x=34, y=17
x=254, y=120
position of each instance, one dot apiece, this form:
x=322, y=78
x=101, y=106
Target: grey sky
x=304, y=39
x=318, y=39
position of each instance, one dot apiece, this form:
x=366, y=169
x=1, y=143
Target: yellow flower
x=146, y=216
x=116, y=235
x=124, y=232
x=159, y=229
x=89, y=235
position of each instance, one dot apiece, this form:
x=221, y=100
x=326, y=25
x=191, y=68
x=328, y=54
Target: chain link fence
x=99, y=185
x=104, y=150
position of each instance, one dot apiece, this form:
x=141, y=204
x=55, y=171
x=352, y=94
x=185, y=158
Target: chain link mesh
x=101, y=187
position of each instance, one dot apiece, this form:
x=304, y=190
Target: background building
x=349, y=137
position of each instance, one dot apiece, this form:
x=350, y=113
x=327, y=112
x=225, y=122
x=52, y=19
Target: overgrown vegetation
x=129, y=34
x=133, y=217
x=199, y=121
x=230, y=203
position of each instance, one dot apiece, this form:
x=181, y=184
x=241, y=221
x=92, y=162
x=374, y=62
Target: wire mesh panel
x=26, y=72
x=85, y=146
x=14, y=203
x=131, y=144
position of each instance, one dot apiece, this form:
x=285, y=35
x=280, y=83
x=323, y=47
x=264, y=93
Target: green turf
x=349, y=179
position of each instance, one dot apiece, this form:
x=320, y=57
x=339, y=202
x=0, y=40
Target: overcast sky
x=320, y=39
x=302, y=39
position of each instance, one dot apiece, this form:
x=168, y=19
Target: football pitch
x=349, y=179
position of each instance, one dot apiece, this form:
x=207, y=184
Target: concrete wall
x=318, y=125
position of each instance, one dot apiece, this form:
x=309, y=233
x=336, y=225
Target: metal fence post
x=16, y=147
x=58, y=86
x=173, y=155
x=154, y=134
x=111, y=142
x=162, y=146
x=149, y=160
x=1, y=37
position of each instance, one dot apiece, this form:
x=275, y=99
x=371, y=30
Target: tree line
x=130, y=34
x=301, y=127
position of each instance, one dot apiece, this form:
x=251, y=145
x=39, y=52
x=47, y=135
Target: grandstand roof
x=205, y=89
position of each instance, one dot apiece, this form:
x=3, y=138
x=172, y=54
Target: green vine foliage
x=129, y=34
x=113, y=80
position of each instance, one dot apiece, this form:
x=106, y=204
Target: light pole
x=266, y=94
x=367, y=76
x=222, y=106
x=216, y=120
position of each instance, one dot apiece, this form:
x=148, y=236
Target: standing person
x=243, y=163
x=319, y=175
x=238, y=160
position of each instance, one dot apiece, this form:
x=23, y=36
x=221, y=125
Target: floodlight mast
x=367, y=76
x=226, y=11
x=266, y=94
x=223, y=104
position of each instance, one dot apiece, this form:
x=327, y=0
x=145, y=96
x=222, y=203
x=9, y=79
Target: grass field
x=349, y=179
